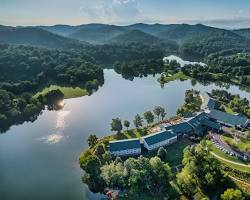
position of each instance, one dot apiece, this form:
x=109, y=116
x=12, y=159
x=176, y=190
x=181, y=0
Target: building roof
x=120, y=145
x=196, y=122
x=207, y=101
x=158, y=137
x=180, y=127
x=233, y=120
x=211, y=124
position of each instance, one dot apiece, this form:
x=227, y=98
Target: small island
x=169, y=158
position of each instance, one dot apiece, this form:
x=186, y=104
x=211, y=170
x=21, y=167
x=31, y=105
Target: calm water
x=40, y=160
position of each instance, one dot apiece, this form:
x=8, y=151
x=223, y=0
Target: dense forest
x=228, y=66
x=25, y=70
x=132, y=69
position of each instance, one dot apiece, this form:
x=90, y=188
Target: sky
x=219, y=13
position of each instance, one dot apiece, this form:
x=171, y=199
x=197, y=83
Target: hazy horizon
x=222, y=14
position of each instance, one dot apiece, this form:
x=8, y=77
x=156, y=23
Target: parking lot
x=224, y=147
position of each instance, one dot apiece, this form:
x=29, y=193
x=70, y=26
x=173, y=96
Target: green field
x=69, y=92
x=173, y=77
x=242, y=144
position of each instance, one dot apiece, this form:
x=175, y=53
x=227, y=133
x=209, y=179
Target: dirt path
x=243, y=182
x=229, y=161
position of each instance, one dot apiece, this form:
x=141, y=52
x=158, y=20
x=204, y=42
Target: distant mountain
x=185, y=32
x=243, y=32
x=135, y=36
x=97, y=33
x=214, y=41
x=35, y=37
x=149, y=28
x=63, y=30
x=139, y=37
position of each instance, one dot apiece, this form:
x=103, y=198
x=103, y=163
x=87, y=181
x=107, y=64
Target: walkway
x=241, y=181
x=229, y=161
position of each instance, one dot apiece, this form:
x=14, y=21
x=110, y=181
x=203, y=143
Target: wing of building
x=198, y=124
x=125, y=147
x=228, y=119
x=159, y=139
x=207, y=102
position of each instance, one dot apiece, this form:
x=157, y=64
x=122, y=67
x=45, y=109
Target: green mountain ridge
x=34, y=36
x=97, y=33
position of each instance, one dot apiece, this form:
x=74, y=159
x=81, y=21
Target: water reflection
x=60, y=125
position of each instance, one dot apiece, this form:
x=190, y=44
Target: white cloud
x=111, y=11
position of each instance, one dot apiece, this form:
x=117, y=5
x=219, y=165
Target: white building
x=125, y=147
x=159, y=139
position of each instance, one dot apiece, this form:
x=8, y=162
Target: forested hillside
x=97, y=33
x=36, y=37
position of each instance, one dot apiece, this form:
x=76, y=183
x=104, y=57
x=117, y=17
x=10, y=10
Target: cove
x=39, y=160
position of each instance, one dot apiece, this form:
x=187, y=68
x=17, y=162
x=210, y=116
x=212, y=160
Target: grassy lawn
x=69, y=92
x=176, y=76
x=241, y=144
x=174, y=153
x=229, y=110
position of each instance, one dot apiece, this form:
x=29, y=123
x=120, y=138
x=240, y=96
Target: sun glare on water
x=61, y=103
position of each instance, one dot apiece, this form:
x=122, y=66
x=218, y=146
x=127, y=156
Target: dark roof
x=196, y=121
x=207, y=102
x=180, y=127
x=211, y=124
x=124, y=144
x=158, y=137
x=234, y=120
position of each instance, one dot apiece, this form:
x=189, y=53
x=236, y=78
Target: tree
x=92, y=140
x=149, y=117
x=162, y=153
x=163, y=113
x=113, y=175
x=157, y=111
x=53, y=98
x=116, y=125
x=99, y=150
x=232, y=194
x=138, y=121
x=126, y=123
x=201, y=171
x=161, y=174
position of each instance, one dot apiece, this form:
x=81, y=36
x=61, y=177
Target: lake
x=39, y=160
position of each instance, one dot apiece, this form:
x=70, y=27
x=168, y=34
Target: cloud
x=111, y=11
